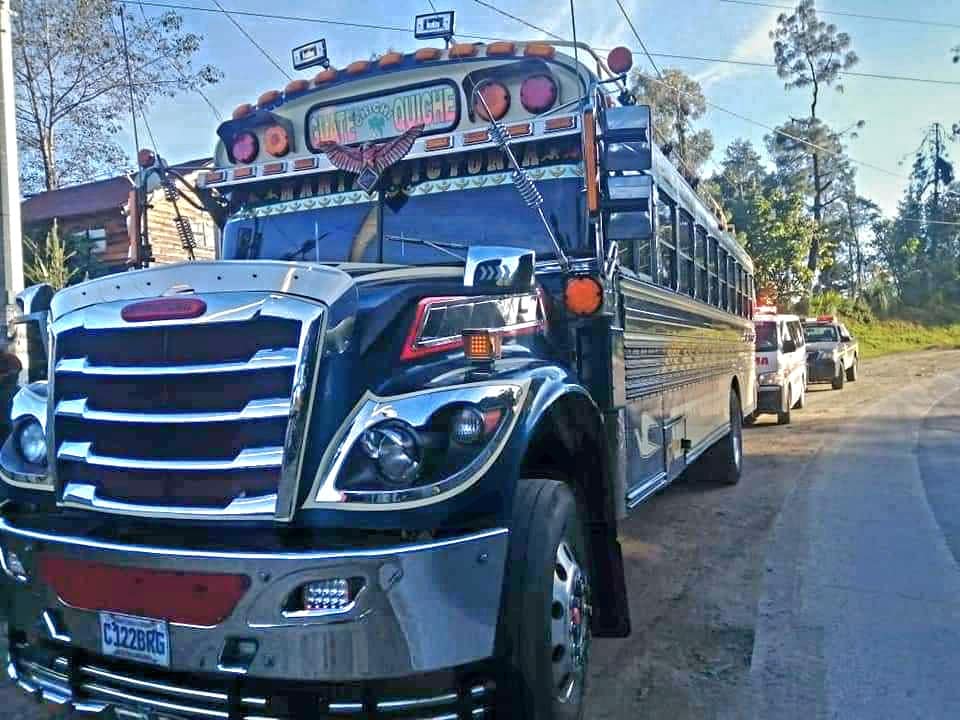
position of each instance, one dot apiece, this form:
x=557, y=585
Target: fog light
x=33, y=443
x=334, y=594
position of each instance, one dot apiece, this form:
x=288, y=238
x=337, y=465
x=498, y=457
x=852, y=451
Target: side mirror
x=490, y=267
x=34, y=305
x=846, y=338
x=789, y=346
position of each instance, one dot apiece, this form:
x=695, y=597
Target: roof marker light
x=538, y=93
x=426, y=54
x=502, y=47
x=245, y=148
x=276, y=140
x=495, y=96
x=357, y=67
x=242, y=110
x=620, y=60
x=325, y=76
x=296, y=86
x=540, y=50
x=462, y=50
x=390, y=59
x=268, y=98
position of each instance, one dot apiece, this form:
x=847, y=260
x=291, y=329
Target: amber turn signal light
x=276, y=140
x=583, y=295
x=482, y=346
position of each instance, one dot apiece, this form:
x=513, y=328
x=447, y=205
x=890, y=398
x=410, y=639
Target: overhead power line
x=517, y=19
x=249, y=37
x=397, y=28
x=633, y=29
x=860, y=16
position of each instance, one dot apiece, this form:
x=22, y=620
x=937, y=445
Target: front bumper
x=425, y=609
x=770, y=399
x=821, y=369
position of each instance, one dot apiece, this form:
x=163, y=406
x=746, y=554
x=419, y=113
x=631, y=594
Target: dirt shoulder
x=695, y=557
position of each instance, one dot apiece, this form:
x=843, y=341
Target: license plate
x=135, y=638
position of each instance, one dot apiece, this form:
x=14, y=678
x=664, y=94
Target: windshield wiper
x=444, y=247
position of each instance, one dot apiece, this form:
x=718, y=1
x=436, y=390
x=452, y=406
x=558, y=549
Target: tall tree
x=73, y=94
x=676, y=102
x=811, y=54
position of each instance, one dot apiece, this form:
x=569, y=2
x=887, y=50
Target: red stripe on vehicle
x=189, y=598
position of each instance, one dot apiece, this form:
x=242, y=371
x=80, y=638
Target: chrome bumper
x=424, y=608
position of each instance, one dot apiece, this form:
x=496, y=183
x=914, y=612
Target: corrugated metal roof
x=88, y=198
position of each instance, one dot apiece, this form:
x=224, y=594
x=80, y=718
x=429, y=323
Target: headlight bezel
x=26, y=425
x=416, y=409
x=29, y=405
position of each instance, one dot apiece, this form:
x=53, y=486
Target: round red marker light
x=276, y=141
x=245, y=148
x=538, y=93
x=620, y=60
x=497, y=98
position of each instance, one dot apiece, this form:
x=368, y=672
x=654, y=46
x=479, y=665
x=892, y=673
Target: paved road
x=824, y=585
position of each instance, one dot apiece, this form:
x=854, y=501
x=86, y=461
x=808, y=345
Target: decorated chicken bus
x=371, y=462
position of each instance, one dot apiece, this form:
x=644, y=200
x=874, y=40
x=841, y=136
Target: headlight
x=33, y=443
x=394, y=447
x=413, y=449
x=771, y=378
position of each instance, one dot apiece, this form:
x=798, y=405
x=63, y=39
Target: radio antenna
x=525, y=186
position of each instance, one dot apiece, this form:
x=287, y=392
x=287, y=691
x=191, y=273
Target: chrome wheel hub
x=570, y=614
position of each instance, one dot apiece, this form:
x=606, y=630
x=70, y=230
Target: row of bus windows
x=687, y=259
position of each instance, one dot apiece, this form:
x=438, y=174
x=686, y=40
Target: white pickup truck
x=833, y=354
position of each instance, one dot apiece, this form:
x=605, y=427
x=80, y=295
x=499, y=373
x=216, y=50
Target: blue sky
x=896, y=112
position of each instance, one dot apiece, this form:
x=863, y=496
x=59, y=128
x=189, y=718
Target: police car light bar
x=310, y=55
x=434, y=25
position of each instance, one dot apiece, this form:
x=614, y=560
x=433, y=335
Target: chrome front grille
x=183, y=418
x=129, y=691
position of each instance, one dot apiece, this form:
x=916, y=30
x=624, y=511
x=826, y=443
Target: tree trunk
x=49, y=155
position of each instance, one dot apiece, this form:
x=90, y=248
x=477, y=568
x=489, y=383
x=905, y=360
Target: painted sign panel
x=378, y=118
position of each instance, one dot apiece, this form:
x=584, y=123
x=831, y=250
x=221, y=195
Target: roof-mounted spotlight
x=434, y=25
x=311, y=55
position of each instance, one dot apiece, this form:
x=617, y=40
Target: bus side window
x=738, y=276
x=667, y=242
x=703, y=290
x=687, y=284
x=632, y=232
x=722, y=275
x=713, y=261
x=731, y=284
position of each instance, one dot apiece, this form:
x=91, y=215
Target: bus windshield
x=820, y=333
x=424, y=213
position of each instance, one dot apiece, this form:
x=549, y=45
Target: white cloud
x=755, y=47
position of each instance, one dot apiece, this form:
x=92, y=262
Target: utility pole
x=11, y=234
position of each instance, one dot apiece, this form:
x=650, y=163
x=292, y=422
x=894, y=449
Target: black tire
x=837, y=383
x=852, y=370
x=545, y=516
x=724, y=461
x=783, y=417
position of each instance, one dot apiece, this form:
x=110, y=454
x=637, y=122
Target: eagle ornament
x=369, y=160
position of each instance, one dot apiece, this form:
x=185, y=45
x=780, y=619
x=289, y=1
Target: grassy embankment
x=890, y=335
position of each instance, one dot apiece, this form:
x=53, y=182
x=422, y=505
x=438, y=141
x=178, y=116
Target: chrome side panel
x=681, y=358
x=424, y=607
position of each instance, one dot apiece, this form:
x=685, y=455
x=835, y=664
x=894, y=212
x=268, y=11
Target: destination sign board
x=374, y=119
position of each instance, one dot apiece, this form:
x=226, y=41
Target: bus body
x=371, y=462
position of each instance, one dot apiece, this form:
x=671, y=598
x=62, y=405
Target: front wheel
x=837, y=383
x=548, y=612
x=852, y=371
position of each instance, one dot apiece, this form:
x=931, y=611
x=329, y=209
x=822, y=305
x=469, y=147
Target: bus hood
x=315, y=282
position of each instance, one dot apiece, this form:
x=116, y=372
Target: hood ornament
x=369, y=160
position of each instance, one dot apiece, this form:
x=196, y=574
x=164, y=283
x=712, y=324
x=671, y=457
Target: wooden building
x=97, y=218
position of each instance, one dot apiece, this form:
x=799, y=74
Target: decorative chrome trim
x=262, y=360
x=50, y=624
x=248, y=458
x=312, y=335
x=97, y=689
x=253, y=410
x=415, y=408
x=85, y=496
x=345, y=707
x=320, y=283
x=76, y=541
x=638, y=494
x=413, y=703
x=102, y=674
